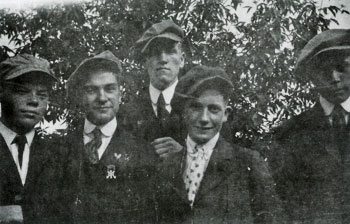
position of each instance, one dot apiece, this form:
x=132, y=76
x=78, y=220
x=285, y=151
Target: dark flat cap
x=330, y=41
x=201, y=78
x=165, y=29
x=106, y=58
x=24, y=63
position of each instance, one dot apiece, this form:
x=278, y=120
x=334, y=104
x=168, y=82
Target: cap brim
x=28, y=70
x=77, y=71
x=329, y=49
x=170, y=36
x=196, y=86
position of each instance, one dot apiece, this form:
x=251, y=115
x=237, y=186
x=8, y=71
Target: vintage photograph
x=175, y=111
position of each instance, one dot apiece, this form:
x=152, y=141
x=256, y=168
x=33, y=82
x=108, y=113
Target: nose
x=204, y=117
x=33, y=100
x=336, y=77
x=102, y=96
x=162, y=57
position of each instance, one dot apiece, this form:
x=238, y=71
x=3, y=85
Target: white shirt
x=168, y=94
x=107, y=133
x=328, y=108
x=9, y=136
x=207, y=147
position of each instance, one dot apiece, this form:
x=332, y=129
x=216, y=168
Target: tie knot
x=161, y=100
x=20, y=140
x=97, y=133
x=338, y=117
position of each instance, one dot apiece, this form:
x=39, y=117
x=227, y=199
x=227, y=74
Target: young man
x=213, y=181
x=151, y=115
x=108, y=172
x=28, y=163
x=312, y=161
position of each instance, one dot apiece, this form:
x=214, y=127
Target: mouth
x=162, y=68
x=102, y=108
x=203, y=128
x=30, y=113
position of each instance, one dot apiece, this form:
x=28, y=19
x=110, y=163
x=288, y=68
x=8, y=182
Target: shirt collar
x=10, y=135
x=328, y=106
x=168, y=93
x=207, y=147
x=106, y=129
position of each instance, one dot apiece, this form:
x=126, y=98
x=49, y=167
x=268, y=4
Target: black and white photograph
x=175, y=111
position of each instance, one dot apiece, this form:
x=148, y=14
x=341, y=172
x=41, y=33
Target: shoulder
x=307, y=120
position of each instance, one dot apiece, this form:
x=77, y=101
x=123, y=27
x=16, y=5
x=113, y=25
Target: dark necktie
x=21, y=141
x=92, y=146
x=338, y=117
x=162, y=112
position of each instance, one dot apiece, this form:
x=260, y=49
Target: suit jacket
x=236, y=188
x=95, y=198
x=138, y=116
x=310, y=170
x=38, y=197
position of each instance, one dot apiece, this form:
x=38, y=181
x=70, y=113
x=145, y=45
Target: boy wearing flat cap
x=151, y=115
x=28, y=163
x=213, y=181
x=312, y=162
x=108, y=172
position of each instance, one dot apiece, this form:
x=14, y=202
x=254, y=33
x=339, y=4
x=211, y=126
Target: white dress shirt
x=168, y=94
x=107, y=131
x=328, y=108
x=9, y=136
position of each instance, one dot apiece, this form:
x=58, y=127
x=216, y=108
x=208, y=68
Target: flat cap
x=107, y=58
x=165, y=29
x=332, y=41
x=24, y=63
x=201, y=78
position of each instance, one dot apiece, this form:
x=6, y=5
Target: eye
x=90, y=89
x=195, y=105
x=111, y=88
x=43, y=94
x=21, y=90
x=214, y=108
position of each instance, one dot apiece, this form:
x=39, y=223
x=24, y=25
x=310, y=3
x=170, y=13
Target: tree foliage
x=259, y=55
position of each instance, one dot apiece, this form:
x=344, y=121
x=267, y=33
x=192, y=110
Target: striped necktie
x=91, y=148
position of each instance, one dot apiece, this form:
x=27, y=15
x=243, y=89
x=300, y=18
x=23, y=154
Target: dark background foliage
x=259, y=55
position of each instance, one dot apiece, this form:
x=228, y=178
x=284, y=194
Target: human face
x=333, y=80
x=24, y=102
x=101, y=96
x=205, y=115
x=163, y=62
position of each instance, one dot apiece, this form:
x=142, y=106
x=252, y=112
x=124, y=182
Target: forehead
x=97, y=78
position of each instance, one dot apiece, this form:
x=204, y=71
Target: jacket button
x=18, y=198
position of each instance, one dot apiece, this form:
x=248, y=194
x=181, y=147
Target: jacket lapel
x=6, y=160
x=38, y=155
x=219, y=168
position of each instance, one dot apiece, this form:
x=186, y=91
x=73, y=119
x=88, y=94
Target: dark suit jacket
x=94, y=198
x=236, y=188
x=40, y=193
x=138, y=116
x=310, y=171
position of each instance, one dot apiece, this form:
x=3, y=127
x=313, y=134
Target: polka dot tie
x=194, y=173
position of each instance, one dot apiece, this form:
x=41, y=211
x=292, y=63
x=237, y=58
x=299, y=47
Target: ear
x=227, y=112
x=182, y=59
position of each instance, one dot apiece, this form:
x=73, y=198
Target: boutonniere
x=121, y=157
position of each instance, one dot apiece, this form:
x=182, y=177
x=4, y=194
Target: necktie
x=194, y=174
x=338, y=117
x=92, y=146
x=21, y=141
x=162, y=112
